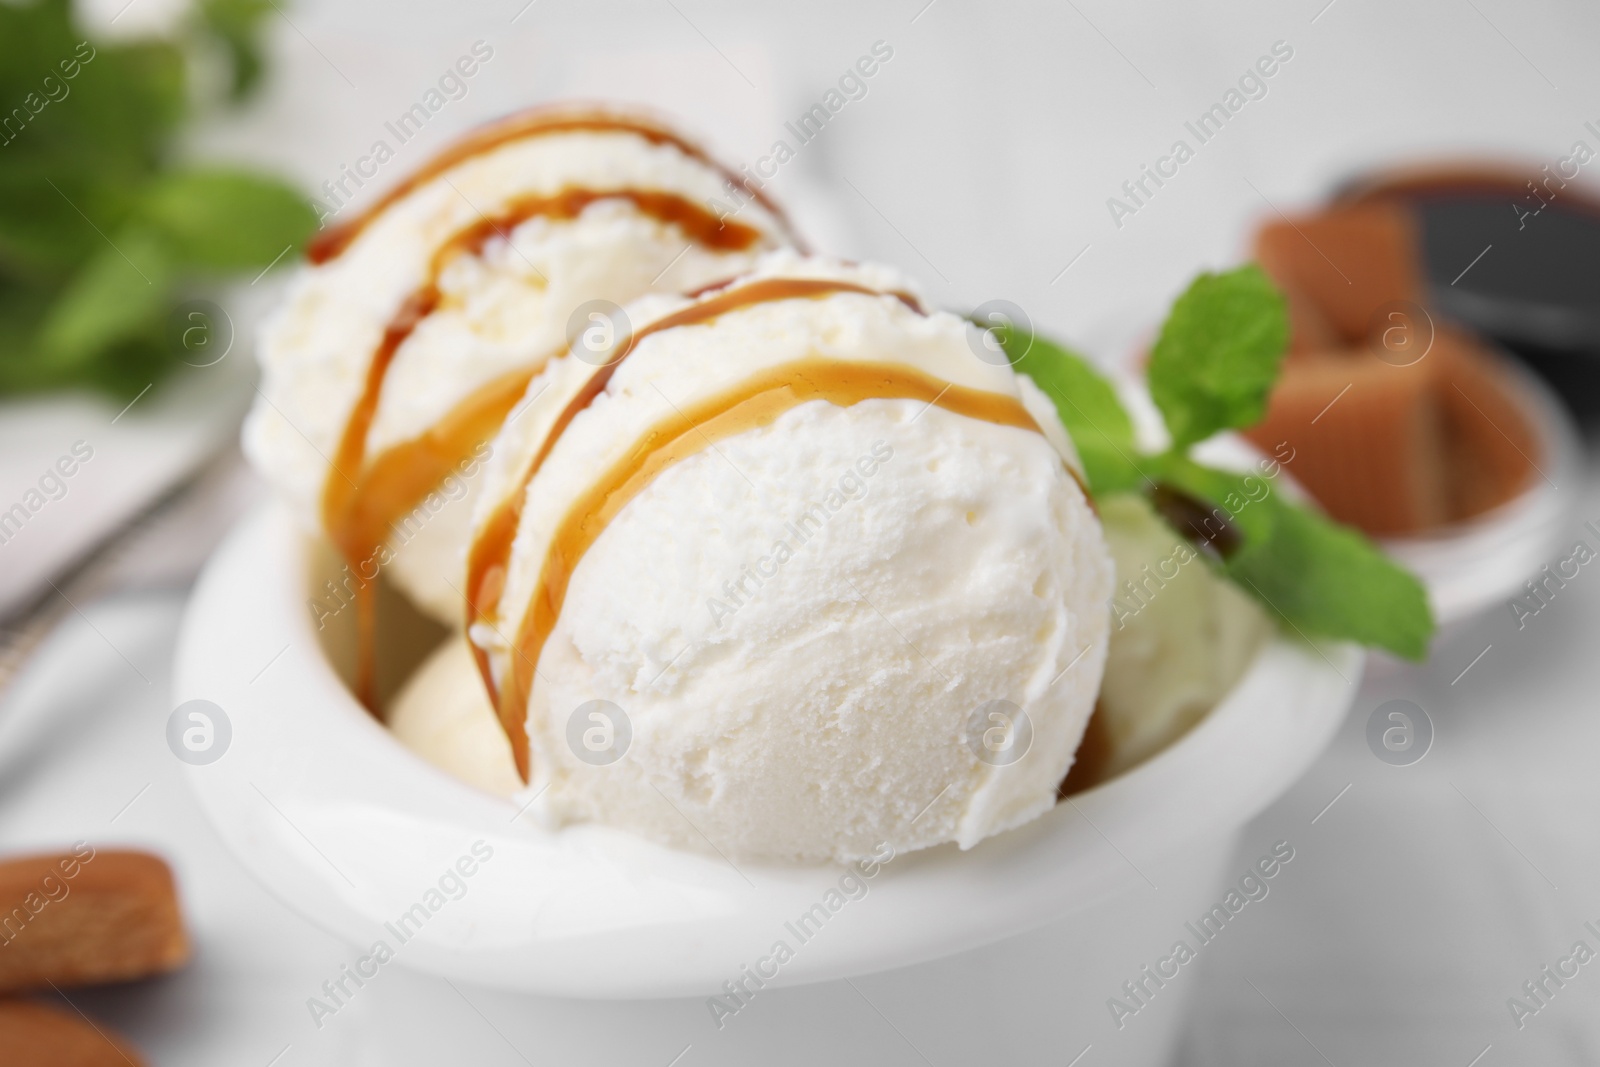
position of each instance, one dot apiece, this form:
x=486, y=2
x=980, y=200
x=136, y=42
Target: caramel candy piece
x=1367, y=438
x=85, y=917
x=1349, y=262
x=1309, y=329
x=34, y=1035
x=1492, y=449
x=1403, y=449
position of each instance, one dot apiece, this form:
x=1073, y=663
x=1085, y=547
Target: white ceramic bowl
x=340, y=821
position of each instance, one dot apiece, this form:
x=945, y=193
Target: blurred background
x=999, y=154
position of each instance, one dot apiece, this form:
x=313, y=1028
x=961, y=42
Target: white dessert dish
x=348, y=827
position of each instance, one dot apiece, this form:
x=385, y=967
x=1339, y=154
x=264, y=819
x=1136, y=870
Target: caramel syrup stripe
x=754, y=402
x=364, y=496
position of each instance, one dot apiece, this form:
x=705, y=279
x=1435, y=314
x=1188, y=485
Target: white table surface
x=980, y=160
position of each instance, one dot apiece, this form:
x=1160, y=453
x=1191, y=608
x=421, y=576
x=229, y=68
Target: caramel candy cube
x=1348, y=261
x=1366, y=436
x=1492, y=449
x=1309, y=329
x=34, y=1035
x=85, y=917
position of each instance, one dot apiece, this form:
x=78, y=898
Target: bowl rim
x=352, y=830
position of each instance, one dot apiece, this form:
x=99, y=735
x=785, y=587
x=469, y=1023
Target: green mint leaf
x=1218, y=354
x=112, y=127
x=128, y=366
x=1315, y=576
x=120, y=292
x=31, y=35
x=123, y=369
x=41, y=237
x=20, y=312
x=1087, y=405
x=226, y=220
x=1327, y=579
x=87, y=153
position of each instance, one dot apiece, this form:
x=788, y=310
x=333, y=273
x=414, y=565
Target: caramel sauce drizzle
x=490, y=551
x=753, y=403
x=362, y=500
x=534, y=122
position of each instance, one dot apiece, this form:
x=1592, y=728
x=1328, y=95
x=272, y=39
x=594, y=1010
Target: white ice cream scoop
x=802, y=571
x=405, y=342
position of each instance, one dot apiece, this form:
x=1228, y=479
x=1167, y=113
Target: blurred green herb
x=1212, y=368
x=1218, y=354
x=102, y=228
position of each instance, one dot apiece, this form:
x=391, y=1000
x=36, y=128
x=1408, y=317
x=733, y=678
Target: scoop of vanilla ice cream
x=1181, y=635
x=503, y=309
x=801, y=632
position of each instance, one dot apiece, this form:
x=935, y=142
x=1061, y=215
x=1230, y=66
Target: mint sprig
x=103, y=232
x=1218, y=355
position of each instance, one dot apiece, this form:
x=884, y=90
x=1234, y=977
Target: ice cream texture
x=797, y=547
x=413, y=331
